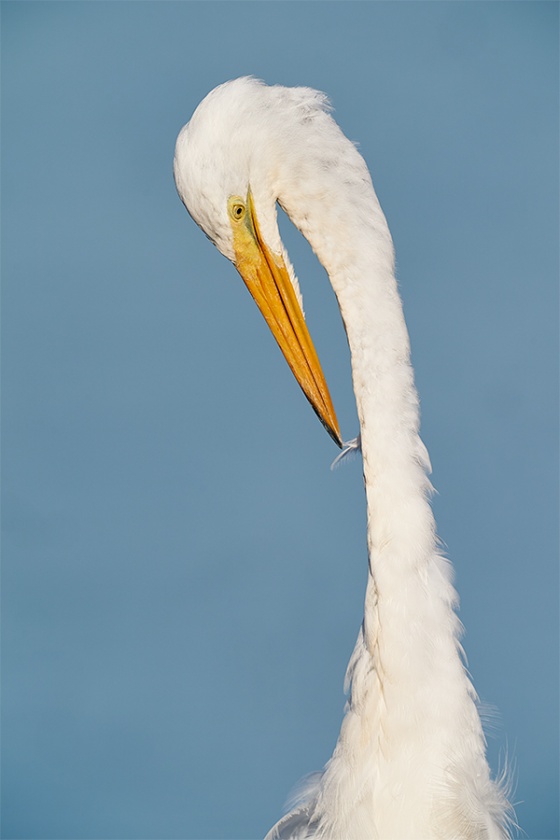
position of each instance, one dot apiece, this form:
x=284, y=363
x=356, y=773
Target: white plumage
x=410, y=760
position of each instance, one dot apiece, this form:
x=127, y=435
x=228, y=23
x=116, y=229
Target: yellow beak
x=267, y=278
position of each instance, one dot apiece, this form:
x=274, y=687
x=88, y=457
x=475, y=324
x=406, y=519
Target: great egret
x=410, y=759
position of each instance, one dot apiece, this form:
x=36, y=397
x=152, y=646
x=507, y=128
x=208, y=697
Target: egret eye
x=236, y=209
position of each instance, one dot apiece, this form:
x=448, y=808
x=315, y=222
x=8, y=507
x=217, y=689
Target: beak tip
x=333, y=431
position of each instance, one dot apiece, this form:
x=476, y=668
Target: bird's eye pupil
x=236, y=209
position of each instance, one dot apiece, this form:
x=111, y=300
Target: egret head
x=228, y=163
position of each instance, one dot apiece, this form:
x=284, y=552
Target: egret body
x=410, y=761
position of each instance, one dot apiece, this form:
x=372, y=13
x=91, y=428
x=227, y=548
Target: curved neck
x=355, y=247
x=411, y=726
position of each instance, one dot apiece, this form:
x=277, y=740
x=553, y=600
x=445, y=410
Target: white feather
x=350, y=449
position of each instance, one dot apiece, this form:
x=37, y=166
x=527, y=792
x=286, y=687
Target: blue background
x=183, y=577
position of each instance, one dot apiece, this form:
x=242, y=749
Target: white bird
x=410, y=761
